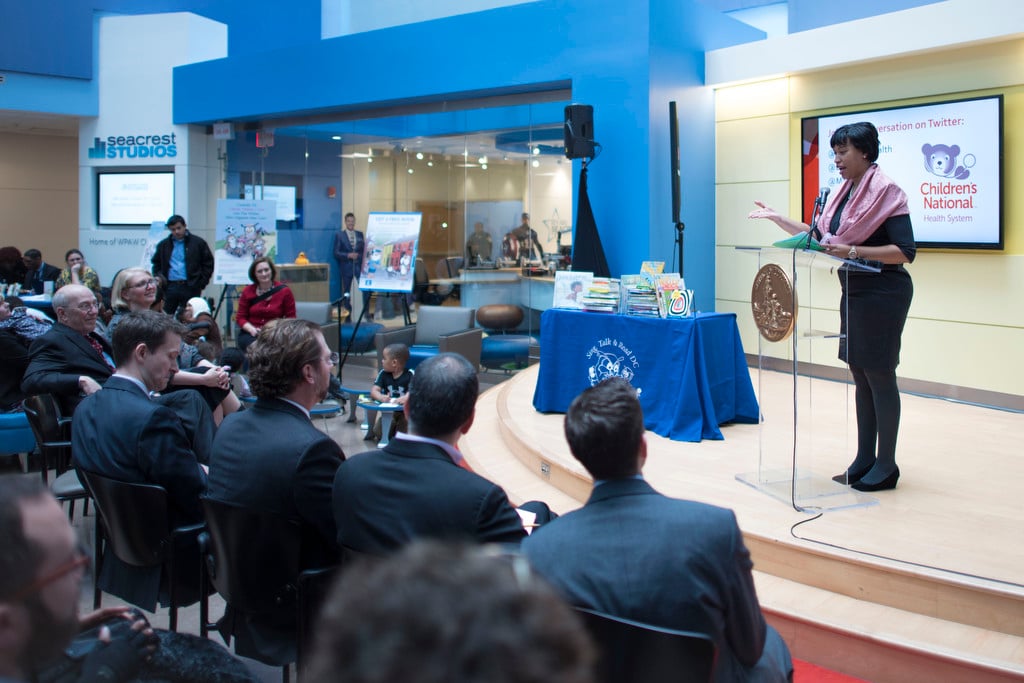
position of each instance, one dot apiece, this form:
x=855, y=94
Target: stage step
x=884, y=644
x=868, y=617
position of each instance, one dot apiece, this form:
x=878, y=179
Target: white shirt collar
x=452, y=452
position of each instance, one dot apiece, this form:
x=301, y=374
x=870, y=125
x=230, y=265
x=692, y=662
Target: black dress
x=874, y=306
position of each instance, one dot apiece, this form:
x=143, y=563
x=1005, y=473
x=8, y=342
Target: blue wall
x=625, y=59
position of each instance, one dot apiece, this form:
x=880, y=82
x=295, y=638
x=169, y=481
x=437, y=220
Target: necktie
x=99, y=349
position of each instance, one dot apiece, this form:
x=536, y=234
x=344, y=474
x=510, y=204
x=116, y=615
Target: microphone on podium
x=819, y=206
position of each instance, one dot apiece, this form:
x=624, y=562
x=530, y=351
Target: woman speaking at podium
x=867, y=218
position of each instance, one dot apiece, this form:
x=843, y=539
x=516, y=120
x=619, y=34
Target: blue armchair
x=438, y=329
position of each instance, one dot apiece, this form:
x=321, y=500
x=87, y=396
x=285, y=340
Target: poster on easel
x=246, y=230
x=389, y=256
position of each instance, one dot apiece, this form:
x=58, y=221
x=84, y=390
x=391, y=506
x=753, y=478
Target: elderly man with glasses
x=71, y=361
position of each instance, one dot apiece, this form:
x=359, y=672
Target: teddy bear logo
x=941, y=160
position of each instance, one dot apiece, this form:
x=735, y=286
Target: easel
x=228, y=292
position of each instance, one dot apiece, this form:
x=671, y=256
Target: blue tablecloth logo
x=611, y=358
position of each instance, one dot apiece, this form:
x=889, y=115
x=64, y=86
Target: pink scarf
x=875, y=199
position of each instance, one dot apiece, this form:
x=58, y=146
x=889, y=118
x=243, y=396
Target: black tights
x=878, y=421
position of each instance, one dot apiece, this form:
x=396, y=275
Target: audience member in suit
x=439, y=612
x=634, y=553
x=38, y=272
x=72, y=361
x=273, y=459
x=418, y=485
x=121, y=433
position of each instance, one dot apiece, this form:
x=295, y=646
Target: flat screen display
x=282, y=195
x=947, y=156
x=134, y=198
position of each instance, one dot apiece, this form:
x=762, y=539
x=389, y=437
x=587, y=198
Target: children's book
x=570, y=288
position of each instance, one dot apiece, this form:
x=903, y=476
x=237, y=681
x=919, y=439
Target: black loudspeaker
x=579, y=131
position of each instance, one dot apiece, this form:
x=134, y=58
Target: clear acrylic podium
x=807, y=427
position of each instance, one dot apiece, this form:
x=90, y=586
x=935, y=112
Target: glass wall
x=461, y=182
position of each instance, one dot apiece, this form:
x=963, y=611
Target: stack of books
x=639, y=298
x=602, y=296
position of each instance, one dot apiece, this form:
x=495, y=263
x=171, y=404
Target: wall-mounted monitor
x=136, y=198
x=947, y=156
x=284, y=195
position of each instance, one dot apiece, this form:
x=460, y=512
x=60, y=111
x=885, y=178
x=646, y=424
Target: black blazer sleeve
x=46, y=371
x=314, y=482
x=745, y=627
x=497, y=521
x=167, y=459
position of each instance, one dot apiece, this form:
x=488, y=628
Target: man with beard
x=121, y=433
x=41, y=570
x=273, y=459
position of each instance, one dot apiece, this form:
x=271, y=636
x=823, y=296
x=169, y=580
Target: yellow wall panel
x=763, y=98
x=752, y=149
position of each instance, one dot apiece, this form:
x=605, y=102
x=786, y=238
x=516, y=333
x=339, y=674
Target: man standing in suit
x=71, y=360
x=185, y=264
x=636, y=554
x=38, y=272
x=122, y=434
x=419, y=485
x=348, y=252
x=273, y=459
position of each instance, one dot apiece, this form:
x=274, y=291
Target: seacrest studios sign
x=135, y=147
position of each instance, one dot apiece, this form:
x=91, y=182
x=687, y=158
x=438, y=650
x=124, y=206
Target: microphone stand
x=815, y=216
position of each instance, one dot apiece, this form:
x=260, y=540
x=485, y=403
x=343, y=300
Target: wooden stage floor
x=925, y=582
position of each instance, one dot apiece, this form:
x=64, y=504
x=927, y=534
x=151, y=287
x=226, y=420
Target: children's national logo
x=611, y=358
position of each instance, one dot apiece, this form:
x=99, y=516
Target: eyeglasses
x=144, y=283
x=333, y=359
x=88, y=306
x=79, y=560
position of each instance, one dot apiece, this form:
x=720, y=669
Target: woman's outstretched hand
x=764, y=211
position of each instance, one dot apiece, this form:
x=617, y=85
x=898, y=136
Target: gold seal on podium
x=773, y=303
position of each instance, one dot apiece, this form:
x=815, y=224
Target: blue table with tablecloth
x=691, y=373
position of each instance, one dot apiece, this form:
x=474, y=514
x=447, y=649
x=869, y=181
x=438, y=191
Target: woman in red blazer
x=264, y=300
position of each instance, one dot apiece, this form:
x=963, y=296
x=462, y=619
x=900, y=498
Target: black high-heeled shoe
x=884, y=485
x=848, y=478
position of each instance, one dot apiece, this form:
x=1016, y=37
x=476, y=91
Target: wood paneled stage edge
x=925, y=585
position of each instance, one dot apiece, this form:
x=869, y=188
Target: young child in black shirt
x=392, y=385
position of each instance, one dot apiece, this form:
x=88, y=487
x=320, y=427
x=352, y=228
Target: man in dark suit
x=634, y=553
x=38, y=272
x=273, y=459
x=185, y=264
x=122, y=434
x=71, y=360
x=419, y=485
x=348, y=252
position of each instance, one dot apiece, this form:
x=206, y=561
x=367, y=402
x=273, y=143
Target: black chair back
x=134, y=517
x=51, y=432
x=253, y=558
x=632, y=652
